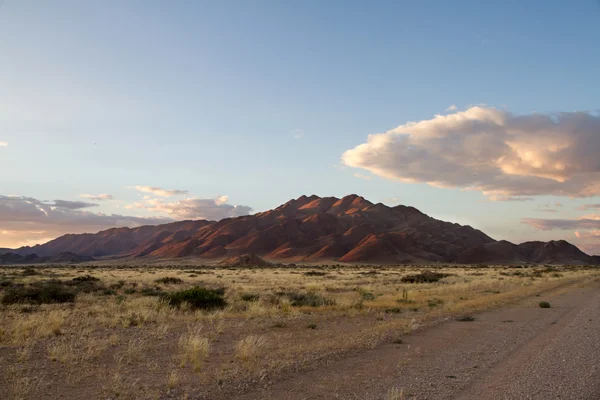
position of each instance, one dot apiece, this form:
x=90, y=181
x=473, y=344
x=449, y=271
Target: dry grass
x=249, y=347
x=194, y=349
x=126, y=333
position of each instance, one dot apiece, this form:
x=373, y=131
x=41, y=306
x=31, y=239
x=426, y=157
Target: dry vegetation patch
x=213, y=332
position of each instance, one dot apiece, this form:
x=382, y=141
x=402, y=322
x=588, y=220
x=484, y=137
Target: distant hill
x=65, y=257
x=311, y=229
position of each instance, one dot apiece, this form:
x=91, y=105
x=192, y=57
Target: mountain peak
x=309, y=228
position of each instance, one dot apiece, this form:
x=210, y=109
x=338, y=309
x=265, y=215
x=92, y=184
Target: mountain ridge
x=350, y=229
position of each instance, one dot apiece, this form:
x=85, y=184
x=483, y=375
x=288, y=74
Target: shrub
x=312, y=326
x=315, y=273
x=149, y=291
x=129, y=291
x=434, y=302
x=29, y=272
x=310, y=299
x=169, y=280
x=85, y=278
x=366, y=295
x=544, y=304
x=196, y=297
x=249, y=296
x=393, y=310
x=466, y=318
x=424, y=277
x=43, y=293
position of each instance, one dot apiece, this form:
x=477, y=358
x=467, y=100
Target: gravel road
x=517, y=352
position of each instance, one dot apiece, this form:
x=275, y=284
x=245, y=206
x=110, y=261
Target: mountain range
x=312, y=229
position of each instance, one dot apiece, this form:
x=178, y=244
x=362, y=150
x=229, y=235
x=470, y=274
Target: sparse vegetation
x=544, y=304
x=169, y=280
x=160, y=340
x=42, y=293
x=196, y=298
x=425, y=277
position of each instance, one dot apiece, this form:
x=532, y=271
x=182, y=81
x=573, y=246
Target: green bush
x=169, y=280
x=315, y=273
x=86, y=278
x=149, y=291
x=42, y=293
x=310, y=299
x=424, y=277
x=249, y=296
x=197, y=298
x=544, y=304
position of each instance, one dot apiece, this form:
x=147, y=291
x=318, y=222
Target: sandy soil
x=517, y=352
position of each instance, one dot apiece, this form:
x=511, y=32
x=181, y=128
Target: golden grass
x=248, y=338
x=194, y=349
x=249, y=347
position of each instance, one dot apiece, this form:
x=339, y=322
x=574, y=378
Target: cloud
x=25, y=219
x=492, y=151
x=587, y=207
x=298, y=134
x=509, y=198
x=591, y=221
x=194, y=208
x=161, y=192
x=545, y=210
x=73, y=205
x=361, y=176
x=3, y=144
x=99, y=197
x=591, y=234
x=452, y=108
x=558, y=205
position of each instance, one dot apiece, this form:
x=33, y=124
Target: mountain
x=311, y=229
x=64, y=257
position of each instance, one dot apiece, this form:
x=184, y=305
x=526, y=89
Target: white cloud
x=98, y=197
x=452, y=108
x=298, y=134
x=591, y=234
x=27, y=220
x=492, y=151
x=194, y=208
x=3, y=144
x=160, y=191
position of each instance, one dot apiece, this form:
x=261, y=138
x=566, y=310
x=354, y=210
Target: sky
x=123, y=113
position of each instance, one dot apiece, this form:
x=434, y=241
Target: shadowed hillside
x=350, y=229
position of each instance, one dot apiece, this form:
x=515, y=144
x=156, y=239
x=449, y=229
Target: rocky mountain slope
x=350, y=229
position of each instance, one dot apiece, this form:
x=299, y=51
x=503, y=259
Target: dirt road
x=517, y=352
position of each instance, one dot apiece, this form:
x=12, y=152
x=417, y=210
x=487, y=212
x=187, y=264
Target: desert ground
x=299, y=332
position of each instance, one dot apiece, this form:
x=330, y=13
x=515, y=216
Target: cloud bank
x=591, y=221
x=492, y=151
x=3, y=144
x=25, y=220
x=194, y=208
x=99, y=197
x=160, y=191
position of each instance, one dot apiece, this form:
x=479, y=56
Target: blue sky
x=258, y=101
